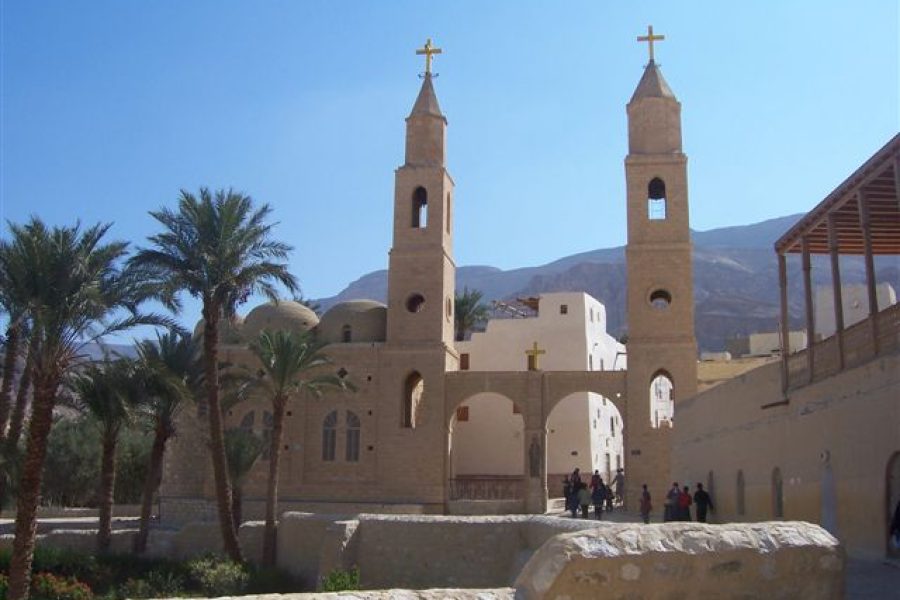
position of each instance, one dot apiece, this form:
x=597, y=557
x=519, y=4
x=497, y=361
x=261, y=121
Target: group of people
x=581, y=495
x=677, y=506
x=679, y=500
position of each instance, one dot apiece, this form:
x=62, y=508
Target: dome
x=285, y=315
x=230, y=331
x=354, y=321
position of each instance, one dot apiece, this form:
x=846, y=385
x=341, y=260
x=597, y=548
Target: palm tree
x=76, y=293
x=169, y=376
x=242, y=449
x=106, y=392
x=468, y=312
x=14, y=302
x=292, y=364
x=217, y=248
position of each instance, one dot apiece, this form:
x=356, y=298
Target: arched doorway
x=487, y=449
x=892, y=495
x=777, y=494
x=584, y=430
x=662, y=404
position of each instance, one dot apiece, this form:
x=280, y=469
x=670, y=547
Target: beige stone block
x=753, y=561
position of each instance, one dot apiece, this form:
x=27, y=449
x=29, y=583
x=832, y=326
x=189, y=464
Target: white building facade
x=568, y=332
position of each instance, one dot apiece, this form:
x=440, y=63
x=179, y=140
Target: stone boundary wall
x=414, y=551
x=540, y=556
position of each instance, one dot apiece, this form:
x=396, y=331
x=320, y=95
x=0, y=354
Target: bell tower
x=662, y=350
x=421, y=277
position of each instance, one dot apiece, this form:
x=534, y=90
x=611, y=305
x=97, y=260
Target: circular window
x=415, y=303
x=660, y=299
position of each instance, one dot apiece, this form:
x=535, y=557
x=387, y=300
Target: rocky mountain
x=735, y=281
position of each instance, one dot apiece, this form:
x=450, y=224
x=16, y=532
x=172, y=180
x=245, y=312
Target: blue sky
x=107, y=109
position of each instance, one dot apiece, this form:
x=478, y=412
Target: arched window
x=662, y=404
x=412, y=400
x=777, y=494
x=420, y=208
x=656, y=199
x=352, y=454
x=346, y=334
x=329, y=435
x=741, y=506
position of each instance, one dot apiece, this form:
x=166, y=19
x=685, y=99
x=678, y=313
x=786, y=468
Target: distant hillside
x=735, y=281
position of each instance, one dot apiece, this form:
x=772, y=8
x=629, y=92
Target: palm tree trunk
x=9, y=371
x=237, y=505
x=30, y=486
x=216, y=431
x=18, y=414
x=151, y=485
x=107, y=487
x=17, y=420
x=269, y=547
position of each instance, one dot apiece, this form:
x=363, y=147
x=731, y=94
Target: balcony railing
x=494, y=487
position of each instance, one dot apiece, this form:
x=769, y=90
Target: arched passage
x=584, y=431
x=662, y=404
x=892, y=493
x=487, y=449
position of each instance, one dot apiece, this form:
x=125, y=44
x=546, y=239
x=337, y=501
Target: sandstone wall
x=831, y=442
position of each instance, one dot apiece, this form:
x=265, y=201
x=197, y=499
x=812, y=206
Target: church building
x=389, y=446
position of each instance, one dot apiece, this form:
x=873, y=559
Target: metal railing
x=493, y=487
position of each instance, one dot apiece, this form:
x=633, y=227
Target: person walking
x=671, y=504
x=576, y=478
x=703, y=501
x=567, y=493
x=684, y=504
x=584, y=499
x=595, y=480
x=646, y=506
x=619, y=483
x=598, y=496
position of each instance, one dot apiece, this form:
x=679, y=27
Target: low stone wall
x=686, y=560
x=416, y=551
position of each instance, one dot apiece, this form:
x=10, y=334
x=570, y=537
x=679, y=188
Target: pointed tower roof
x=426, y=103
x=652, y=84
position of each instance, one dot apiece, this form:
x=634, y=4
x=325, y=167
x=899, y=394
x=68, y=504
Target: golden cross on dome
x=428, y=50
x=533, y=354
x=650, y=38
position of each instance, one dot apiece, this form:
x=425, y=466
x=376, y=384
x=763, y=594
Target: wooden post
x=810, y=317
x=785, y=339
x=870, y=266
x=834, y=247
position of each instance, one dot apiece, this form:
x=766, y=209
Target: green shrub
x=340, y=580
x=47, y=586
x=157, y=584
x=271, y=580
x=218, y=577
x=4, y=586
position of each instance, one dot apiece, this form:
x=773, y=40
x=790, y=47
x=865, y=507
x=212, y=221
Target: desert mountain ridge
x=735, y=281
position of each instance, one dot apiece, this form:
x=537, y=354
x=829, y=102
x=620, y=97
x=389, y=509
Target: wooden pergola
x=860, y=217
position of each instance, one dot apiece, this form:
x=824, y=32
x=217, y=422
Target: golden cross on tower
x=428, y=50
x=650, y=38
x=533, y=354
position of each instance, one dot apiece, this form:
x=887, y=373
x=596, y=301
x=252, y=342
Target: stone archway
x=487, y=454
x=584, y=430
